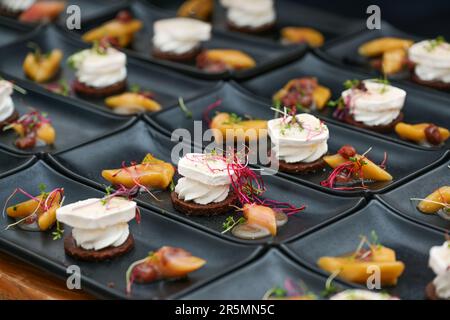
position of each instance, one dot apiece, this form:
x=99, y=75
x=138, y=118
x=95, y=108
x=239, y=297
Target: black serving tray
x=67, y=118
x=344, y=51
x=266, y=54
x=399, y=199
x=289, y=13
x=11, y=32
x=255, y=279
x=10, y=162
x=404, y=161
x=165, y=84
x=86, y=163
x=410, y=241
x=420, y=106
x=107, y=279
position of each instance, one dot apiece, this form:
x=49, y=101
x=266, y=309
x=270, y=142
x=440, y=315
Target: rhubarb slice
x=132, y=102
x=436, y=201
x=230, y=126
x=42, y=68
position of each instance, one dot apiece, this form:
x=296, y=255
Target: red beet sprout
x=208, y=109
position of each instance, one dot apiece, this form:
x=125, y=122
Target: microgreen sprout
x=230, y=223
x=184, y=108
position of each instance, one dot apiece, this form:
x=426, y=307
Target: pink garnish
x=208, y=110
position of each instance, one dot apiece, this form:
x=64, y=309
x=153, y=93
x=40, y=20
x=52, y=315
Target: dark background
x=422, y=17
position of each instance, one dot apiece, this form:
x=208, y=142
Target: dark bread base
x=184, y=57
x=301, y=167
x=92, y=92
x=193, y=209
x=381, y=128
x=9, y=120
x=430, y=292
x=10, y=14
x=71, y=249
x=258, y=30
x=440, y=85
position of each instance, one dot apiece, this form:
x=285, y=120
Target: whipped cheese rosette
x=206, y=178
x=439, y=262
x=6, y=102
x=376, y=105
x=100, y=67
x=180, y=35
x=358, y=294
x=303, y=141
x=98, y=223
x=432, y=59
x=250, y=13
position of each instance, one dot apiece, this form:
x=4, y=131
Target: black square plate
x=403, y=161
x=255, y=279
x=67, y=118
x=86, y=164
x=165, y=84
x=153, y=232
x=399, y=199
x=266, y=54
x=10, y=162
x=11, y=32
x=420, y=106
x=410, y=241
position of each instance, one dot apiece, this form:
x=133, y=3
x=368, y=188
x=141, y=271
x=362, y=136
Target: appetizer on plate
x=8, y=113
x=422, y=133
x=39, y=212
x=219, y=60
x=133, y=102
x=255, y=16
x=229, y=126
x=299, y=142
x=214, y=184
x=196, y=9
x=353, y=171
x=297, y=35
x=167, y=263
x=387, y=54
x=432, y=63
x=42, y=67
x=359, y=294
x=120, y=31
x=151, y=173
x=439, y=262
x=437, y=202
x=100, y=71
x=290, y=291
x=356, y=266
x=179, y=39
x=34, y=130
x=302, y=93
x=370, y=104
x=32, y=10
x=100, y=227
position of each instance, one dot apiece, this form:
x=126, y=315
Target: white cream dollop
x=180, y=35
x=306, y=142
x=439, y=260
x=442, y=285
x=17, y=5
x=379, y=105
x=432, y=60
x=100, y=69
x=205, y=178
x=96, y=224
x=359, y=294
x=6, y=102
x=250, y=13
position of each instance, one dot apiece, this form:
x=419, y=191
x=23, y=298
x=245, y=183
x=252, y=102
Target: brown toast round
x=13, y=117
x=251, y=30
x=430, y=292
x=183, y=57
x=381, y=128
x=440, y=85
x=71, y=249
x=301, y=167
x=93, y=92
x=194, y=209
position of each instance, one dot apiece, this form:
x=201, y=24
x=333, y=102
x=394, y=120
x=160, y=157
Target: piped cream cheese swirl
x=205, y=178
x=250, y=13
x=379, y=105
x=439, y=262
x=180, y=35
x=100, y=69
x=97, y=224
x=432, y=60
x=304, y=141
x=6, y=102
